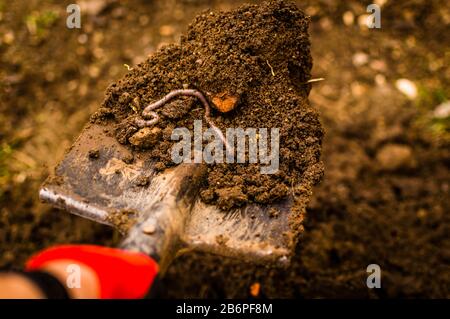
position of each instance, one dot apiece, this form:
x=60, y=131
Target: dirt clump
x=122, y=220
x=252, y=64
x=146, y=137
x=94, y=154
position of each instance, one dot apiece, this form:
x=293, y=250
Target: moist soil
x=258, y=58
x=394, y=213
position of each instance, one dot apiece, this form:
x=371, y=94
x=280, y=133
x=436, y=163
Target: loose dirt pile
x=254, y=60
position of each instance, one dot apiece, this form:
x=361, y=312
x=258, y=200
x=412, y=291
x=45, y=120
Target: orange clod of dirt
x=255, y=289
x=225, y=102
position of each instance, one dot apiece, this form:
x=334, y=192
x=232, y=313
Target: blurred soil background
x=384, y=105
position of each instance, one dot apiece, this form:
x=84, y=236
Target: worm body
x=149, y=111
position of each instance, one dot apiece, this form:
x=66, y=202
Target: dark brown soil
x=367, y=210
x=257, y=53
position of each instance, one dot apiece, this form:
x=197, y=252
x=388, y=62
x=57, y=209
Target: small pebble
x=255, y=289
x=166, y=30
x=442, y=111
x=225, y=102
x=149, y=229
x=407, y=87
x=8, y=37
x=360, y=59
x=348, y=18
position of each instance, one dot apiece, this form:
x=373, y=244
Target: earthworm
x=149, y=110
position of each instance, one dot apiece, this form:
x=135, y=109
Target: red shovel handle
x=121, y=274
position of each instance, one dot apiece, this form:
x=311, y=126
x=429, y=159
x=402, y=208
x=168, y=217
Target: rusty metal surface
x=97, y=188
x=247, y=233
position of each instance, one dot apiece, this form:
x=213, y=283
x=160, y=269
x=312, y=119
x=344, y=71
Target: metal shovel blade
x=97, y=180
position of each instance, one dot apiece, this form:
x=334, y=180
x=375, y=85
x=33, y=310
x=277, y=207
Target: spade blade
x=107, y=182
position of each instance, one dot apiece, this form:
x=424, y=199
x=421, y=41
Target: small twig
x=149, y=110
x=315, y=80
x=271, y=69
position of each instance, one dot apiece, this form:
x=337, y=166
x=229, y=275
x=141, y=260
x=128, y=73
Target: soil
x=367, y=209
x=226, y=56
x=122, y=220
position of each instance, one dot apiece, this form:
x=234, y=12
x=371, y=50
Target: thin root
x=271, y=68
x=315, y=80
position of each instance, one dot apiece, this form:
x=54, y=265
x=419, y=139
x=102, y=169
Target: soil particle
x=221, y=239
x=55, y=179
x=142, y=181
x=146, y=137
x=227, y=57
x=94, y=154
x=122, y=220
x=229, y=196
x=255, y=289
x=128, y=159
x=225, y=102
x=178, y=108
x=102, y=116
x=273, y=212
